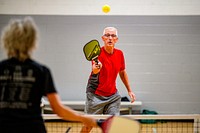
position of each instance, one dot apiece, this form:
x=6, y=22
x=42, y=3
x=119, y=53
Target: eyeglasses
x=112, y=35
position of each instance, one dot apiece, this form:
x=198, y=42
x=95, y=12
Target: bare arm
x=68, y=113
x=124, y=77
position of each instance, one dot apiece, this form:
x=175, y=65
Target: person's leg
x=94, y=105
x=113, y=105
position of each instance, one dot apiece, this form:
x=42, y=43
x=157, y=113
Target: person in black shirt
x=24, y=81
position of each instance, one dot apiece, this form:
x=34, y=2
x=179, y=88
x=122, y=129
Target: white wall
x=93, y=7
x=162, y=56
x=160, y=38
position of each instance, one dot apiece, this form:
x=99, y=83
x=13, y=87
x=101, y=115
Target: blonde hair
x=19, y=38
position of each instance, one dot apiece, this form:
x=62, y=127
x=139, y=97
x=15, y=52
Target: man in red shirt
x=102, y=94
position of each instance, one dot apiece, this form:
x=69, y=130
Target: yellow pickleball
x=106, y=8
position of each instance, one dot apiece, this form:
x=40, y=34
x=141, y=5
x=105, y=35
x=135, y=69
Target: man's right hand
x=96, y=67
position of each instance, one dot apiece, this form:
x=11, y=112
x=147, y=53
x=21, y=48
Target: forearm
x=67, y=113
x=61, y=110
x=124, y=78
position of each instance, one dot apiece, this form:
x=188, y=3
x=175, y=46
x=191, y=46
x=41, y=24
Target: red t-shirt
x=104, y=83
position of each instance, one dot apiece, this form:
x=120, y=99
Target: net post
x=196, y=125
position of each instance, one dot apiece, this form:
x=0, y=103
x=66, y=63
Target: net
x=149, y=124
x=54, y=124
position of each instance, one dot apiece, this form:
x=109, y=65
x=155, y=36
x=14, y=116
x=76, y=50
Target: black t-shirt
x=22, y=85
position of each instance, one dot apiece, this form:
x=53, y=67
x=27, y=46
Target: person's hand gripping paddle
x=119, y=124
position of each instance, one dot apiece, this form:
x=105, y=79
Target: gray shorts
x=102, y=105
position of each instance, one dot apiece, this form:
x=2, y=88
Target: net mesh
x=148, y=124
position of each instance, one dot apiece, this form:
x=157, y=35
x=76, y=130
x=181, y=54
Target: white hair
x=113, y=28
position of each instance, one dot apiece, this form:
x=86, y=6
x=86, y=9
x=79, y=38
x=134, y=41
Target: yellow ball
x=106, y=8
